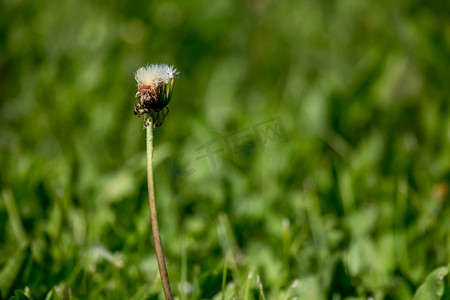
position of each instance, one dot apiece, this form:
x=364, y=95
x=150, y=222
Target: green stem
x=154, y=220
x=247, y=287
x=224, y=278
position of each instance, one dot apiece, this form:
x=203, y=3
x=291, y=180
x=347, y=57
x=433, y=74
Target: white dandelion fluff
x=155, y=85
x=155, y=74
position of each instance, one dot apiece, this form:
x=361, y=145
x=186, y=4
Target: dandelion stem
x=154, y=220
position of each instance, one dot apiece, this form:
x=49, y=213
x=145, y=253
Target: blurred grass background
x=327, y=122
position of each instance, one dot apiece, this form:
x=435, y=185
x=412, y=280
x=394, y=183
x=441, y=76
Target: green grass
x=328, y=122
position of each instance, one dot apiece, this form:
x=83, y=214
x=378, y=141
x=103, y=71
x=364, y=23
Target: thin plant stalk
x=224, y=279
x=247, y=286
x=154, y=220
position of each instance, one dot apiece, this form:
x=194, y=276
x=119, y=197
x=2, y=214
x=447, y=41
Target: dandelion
x=155, y=85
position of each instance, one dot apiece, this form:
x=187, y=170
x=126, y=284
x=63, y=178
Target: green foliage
x=18, y=295
x=328, y=129
x=433, y=287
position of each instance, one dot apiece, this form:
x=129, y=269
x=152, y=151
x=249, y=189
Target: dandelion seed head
x=155, y=74
x=155, y=85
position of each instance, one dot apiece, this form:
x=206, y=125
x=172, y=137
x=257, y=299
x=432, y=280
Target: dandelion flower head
x=155, y=74
x=155, y=85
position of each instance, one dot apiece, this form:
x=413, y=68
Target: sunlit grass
x=309, y=146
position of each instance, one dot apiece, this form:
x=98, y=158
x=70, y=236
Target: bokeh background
x=307, y=145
